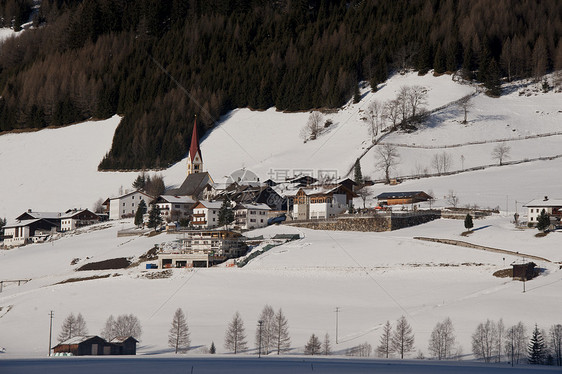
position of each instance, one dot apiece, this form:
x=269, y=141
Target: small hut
x=524, y=271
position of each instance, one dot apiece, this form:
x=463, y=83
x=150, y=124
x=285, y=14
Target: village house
x=28, y=231
x=204, y=248
x=74, y=219
x=206, y=214
x=402, y=198
x=126, y=205
x=553, y=207
x=251, y=216
x=93, y=345
x=174, y=208
x=54, y=217
x=320, y=201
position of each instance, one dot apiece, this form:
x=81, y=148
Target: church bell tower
x=194, y=159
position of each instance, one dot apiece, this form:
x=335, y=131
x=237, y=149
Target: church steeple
x=194, y=158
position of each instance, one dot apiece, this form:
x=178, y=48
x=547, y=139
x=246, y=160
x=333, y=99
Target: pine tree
x=468, y=224
x=226, y=215
x=235, y=338
x=358, y=175
x=154, y=218
x=313, y=346
x=281, y=339
x=493, y=79
x=140, y=182
x=141, y=210
x=403, y=338
x=356, y=95
x=536, y=349
x=543, y=221
x=179, y=332
x=212, y=349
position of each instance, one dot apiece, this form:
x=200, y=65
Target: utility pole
x=51, y=315
x=337, y=315
x=260, y=323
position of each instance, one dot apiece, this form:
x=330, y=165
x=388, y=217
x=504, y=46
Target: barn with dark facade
x=93, y=345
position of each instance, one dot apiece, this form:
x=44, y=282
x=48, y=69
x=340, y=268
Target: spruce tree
x=543, y=221
x=213, y=349
x=141, y=210
x=536, y=349
x=226, y=215
x=358, y=175
x=154, y=218
x=468, y=224
x=313, y=346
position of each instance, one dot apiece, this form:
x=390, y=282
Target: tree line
x=95, y=58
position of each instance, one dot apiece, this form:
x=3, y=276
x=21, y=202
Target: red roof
x=194, y=148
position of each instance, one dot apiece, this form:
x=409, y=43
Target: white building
x=206, y=214
x=174, y=208
x=251, y=216
x=321, y=202
x=553, y=207
x=126, y=205
x=77, y=218
x=27, y=231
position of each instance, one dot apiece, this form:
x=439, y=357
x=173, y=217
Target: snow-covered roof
x=544, y=203
x=254, y=206
x=211, y=204
x=122, y=339
x=132, y=193
x=44, y=215
x=77, y=339
x=177, y=199
x=23, y=223
x=73, y=213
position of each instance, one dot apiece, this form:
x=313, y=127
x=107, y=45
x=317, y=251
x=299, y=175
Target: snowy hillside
x=372, y=277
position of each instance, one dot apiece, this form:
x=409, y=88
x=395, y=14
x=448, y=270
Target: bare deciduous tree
x=441, y=162
x=98, y=205
x=403, y=103
x=313, y=126
x=484, y=341
x=452, y=198
x=442, y=340
x=403, y=338
x=364, y=194
x=125, y=325
x=384, y=348
x=235, y=338
x=281, y=339
x=516, y=342
x=326, y=345
x=555, y=335
x=465, y=104
x=375, y=118
x=392, y=112
x=501, y=152
x=499, y=338
x=416, y=97
x=178, y=338
x=72, y=326
x=267, y=317
x=387, y=159
x=361, y=350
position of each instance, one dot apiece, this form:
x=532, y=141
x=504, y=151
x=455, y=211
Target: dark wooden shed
x=125, y=345
x=82, y=346
x=524, y=271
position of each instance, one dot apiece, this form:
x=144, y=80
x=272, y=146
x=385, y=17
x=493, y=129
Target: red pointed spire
x=194, y=148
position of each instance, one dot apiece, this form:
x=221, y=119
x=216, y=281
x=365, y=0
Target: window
x=531, y=218
x=133, y=204
x=253, y=220
x=123, y=204
x=214, y=219
x=133, y=197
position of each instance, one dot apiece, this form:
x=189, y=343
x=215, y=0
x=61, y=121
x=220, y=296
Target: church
x=198, y=184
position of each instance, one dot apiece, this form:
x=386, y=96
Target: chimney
x=546, y=198
x=29, y=211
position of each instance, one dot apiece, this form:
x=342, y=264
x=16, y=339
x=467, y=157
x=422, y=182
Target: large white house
x=174, y=208
x=77, y=218
x=126, y=205
x=553, y=207
x=206, y=214
x=251, y=216
x=321, y=202
x=27, y=231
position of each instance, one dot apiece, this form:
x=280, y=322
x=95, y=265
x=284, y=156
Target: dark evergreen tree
x=154, y=218
x=140, y=182
x=2, y=222
x=358, y=175
x=226, y=215
x=543, y=221
x=313, y=347
x=356, y=94
x=536, y=349
x=493, y=79
x=141, y=210
x=212, y=349
x=468, y=224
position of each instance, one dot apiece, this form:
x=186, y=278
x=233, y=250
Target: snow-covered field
x=371, y=277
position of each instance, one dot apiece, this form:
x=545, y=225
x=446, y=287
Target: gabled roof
x=253, y=206
x=75, y=213
x=132, y=193
x=210, y=204
x=22, y=223
x=122, y=339
x=78, y=339
x=175, y=199
x=38, y=215
x=544, y=203
x=193, y=185
x=399, y=195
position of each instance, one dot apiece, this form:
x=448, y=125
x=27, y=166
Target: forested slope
x=156, y=61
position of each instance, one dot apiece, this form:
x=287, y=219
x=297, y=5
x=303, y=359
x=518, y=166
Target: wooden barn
x=399, y=198
x=524, y=271
x=93, y=345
